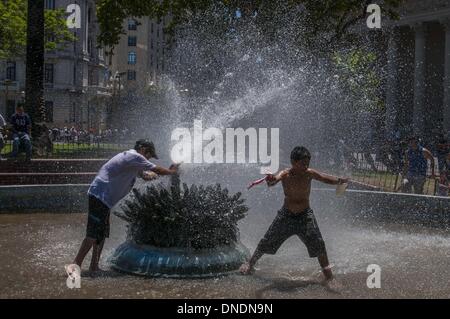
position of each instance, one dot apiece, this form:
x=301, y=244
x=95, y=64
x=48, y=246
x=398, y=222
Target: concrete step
x=46, y=178
x=51, y=165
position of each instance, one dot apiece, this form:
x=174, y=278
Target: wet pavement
x=414, y=262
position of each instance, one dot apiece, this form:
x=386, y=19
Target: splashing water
x=255, y=82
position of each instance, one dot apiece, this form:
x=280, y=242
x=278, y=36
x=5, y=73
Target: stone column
x=419, y=79
x=392, y=89
x=446, y=104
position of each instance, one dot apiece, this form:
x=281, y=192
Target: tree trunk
x=34, y=84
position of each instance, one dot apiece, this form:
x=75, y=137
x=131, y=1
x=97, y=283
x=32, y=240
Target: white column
x=392, y=82
x=446, y=104
x=419, y=78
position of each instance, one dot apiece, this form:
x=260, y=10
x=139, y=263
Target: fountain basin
x=151, y=261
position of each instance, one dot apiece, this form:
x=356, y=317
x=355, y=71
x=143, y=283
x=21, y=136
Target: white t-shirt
x=117, y=177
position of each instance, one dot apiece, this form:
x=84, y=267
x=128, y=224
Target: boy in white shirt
x=113, y=182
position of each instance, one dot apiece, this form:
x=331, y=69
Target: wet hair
x=148, y=145
x=299, y=153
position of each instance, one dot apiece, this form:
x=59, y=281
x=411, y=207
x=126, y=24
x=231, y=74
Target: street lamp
x=7, y=83
x=116, y=79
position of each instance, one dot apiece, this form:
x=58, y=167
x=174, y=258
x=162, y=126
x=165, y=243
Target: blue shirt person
x=442, y=151
x=21, y=127
x=20, y=122
x=416, y=165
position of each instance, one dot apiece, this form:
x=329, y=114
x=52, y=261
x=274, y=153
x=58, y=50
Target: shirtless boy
x=295, y=217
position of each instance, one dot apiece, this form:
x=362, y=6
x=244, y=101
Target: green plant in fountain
x=195, y=217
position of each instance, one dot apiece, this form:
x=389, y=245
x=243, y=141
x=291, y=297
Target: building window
x=11, y=70
x=101, y=53
x=49, y=111
x=90, y=45
x=48, y=73
x=131, y=57
x=92, y=76
x=132, y=25
x=132, y=40
x=50, y=4
x=131, y=75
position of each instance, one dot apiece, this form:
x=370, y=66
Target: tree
x=26, y=29
x=358, y=77
x=34, y=86
x=332, y=18
x=13, y=29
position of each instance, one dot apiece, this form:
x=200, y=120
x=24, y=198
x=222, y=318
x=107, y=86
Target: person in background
x=2, y=138
x=442, y=151
x=415, y=167
x=444, y=178
x=21, y=132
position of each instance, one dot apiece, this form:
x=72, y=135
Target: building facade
x=418, y=69
x=139, y=60
x=76, y=77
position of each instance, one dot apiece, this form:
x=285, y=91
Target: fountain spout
x=175, y=182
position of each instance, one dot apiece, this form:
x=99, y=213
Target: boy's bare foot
x=72, y=269
x=332, y=284
x=246, y=269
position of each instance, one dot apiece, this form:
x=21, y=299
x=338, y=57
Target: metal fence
x=371, y=172
x=71, y=149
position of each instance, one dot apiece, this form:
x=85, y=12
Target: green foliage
x=197, y=216
x=332, y=18
x=335, y=17
x=56, y=31
x=359, y=78
x=13, y=28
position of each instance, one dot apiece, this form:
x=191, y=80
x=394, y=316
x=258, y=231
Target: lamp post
x=7, y=84
x=116, y=94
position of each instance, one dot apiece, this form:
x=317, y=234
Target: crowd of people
x=18, y=130
x=74, y=135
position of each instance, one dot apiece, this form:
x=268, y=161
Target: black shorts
x=98, y=220
x=287, y=224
